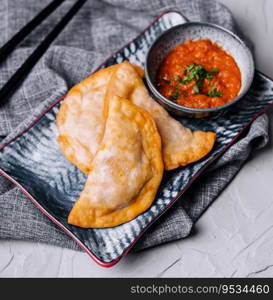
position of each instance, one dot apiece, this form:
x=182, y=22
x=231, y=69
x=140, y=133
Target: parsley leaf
x=175, y=94
x=199, y=74
x=214, y=70
x=199, y=83
x=189, y=68
x=181, y=81
x=209, y=76
x=215, y=93
x=195, y=89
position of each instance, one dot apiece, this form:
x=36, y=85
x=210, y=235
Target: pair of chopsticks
x=18, y=77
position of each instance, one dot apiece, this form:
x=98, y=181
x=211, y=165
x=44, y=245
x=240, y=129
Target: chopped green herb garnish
x=214, y=70
x=199, y=83
x=181, y=81
x=195, y=89
x=196, y=72
x=190, y=76
x=215, y=93
x=189, y=68
x=175, y=94
x=209, y=76
x=199, y=74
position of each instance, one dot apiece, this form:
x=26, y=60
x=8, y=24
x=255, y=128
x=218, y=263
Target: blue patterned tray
x=35, y=164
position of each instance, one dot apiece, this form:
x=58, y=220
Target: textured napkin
x=100, y=28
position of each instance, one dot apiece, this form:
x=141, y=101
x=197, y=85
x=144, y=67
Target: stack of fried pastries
x=112, y=130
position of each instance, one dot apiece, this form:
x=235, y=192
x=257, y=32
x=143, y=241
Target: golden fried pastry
x=180, y=145
x=126, y=171
x=80, y=120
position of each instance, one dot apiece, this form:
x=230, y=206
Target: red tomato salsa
x=199, y=74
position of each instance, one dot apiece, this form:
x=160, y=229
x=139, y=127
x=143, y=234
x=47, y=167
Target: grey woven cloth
x=100, y=28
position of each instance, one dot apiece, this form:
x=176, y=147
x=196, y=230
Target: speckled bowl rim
x=182, y=108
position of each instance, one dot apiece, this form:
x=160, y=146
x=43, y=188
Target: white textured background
x=233, y=238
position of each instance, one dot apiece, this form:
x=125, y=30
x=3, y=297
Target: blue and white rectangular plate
x=33, y=161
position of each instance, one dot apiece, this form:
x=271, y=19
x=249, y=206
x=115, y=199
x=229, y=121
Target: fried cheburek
x=113, y=131
x=81, y=123
x=180, y=145
x=126, y=171
x=80, y=120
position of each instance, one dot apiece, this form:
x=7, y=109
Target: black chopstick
x=9, y=88
x=19, y=36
